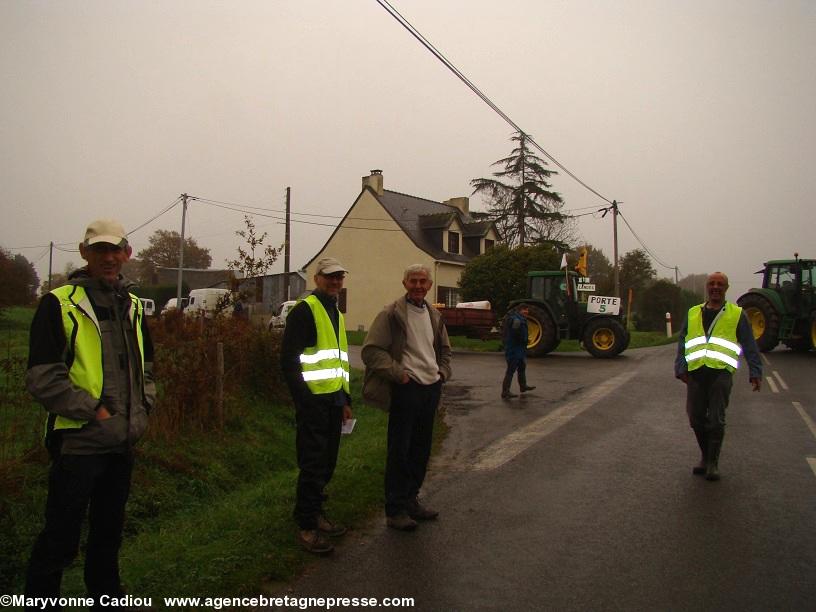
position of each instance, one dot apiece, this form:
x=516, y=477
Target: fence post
x=220, y=385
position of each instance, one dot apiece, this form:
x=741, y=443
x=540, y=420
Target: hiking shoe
x=526, y=388
x=418, y=512
x=326, y=527
x=314, y=542
x=508, y=395
x=699, y=470
x=401, y=522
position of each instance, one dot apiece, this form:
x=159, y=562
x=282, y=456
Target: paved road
x=580, y=497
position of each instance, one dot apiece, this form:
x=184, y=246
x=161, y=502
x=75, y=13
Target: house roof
x=417, y=215
x=421, y=219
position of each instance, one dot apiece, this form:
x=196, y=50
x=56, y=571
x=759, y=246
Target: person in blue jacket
x=514, y=337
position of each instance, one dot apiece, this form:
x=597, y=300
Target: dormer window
x=489, y=244
x=453, y=242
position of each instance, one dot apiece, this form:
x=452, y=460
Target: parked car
x=171, y=305
x=207, y=301
x=149, y=306
x=278, y=320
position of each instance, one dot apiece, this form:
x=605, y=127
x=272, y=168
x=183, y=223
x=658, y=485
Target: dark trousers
x=78, y=484
x=707, y=395
x=515, y=364
x=410, y=434
x=317, y=443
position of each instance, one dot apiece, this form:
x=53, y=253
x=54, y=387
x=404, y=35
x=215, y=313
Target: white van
x=206, y=301
x=171, y=305
x=149, y=306
x=278, y=320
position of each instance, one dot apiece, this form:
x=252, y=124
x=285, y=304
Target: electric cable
x=645, y=248
x=152, y=219
x=283, y=219
x=461, y=76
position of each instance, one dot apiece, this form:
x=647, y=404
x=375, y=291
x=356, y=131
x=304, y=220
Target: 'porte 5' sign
x=603, y=305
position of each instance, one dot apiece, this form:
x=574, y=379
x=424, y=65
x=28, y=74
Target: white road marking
x=765, y=359
x=513, y=444
x=812, y=462
x=781, y=382
x=806, y=417
x=771, y=384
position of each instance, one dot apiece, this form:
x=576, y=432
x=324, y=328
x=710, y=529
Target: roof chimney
x=463, y=204
x=375, y=181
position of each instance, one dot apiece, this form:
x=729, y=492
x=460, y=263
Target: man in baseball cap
x=97, y=404
x=314, y=359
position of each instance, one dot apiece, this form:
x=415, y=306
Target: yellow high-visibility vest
x=716, y=348
x=84, y=343
x=325, y=366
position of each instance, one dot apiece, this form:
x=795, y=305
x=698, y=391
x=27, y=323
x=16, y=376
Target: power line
x=458, y=73
x=152, y=219
x=275, y=210
x=645, y=248
x=259, y=214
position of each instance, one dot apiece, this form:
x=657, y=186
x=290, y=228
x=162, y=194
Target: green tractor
x=555, y=315
x=784, y=309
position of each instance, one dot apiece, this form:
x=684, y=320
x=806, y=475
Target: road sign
x=586, y=287
x=603, y=305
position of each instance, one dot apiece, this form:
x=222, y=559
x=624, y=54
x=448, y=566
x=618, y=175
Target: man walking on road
x=90, y=365
x=712, y=338
x=314, y=359
x=514, y=337
x=407, y=356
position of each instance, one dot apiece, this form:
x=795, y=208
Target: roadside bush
x=186, y=369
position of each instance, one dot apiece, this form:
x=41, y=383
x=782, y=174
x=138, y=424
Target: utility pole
x=50, y=262
x=286, y=248
x=181, y=250
x=522, y=220
x=676, y=275
x=615, y=245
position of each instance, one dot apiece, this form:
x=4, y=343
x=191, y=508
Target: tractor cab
x=551, y=287
x=794, y=281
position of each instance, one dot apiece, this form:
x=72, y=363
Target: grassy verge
x=14, y=325
x=211, y=514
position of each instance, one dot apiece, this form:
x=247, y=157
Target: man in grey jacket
x=407, y=356
x=90, y=365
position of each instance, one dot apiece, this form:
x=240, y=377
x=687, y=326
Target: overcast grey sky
x=697, y=115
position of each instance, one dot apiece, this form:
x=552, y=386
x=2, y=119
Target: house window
x=449, y=296
x=453, y=242
x=489, y=244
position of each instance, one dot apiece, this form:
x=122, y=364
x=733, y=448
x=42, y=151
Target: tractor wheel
x=764, y=320
x=604, y=337
x=541, y=335
x=805, y=341
x=813, y=330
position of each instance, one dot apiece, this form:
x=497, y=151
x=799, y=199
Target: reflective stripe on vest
x=84, y=343
x=719, y=350
x=325, y=366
